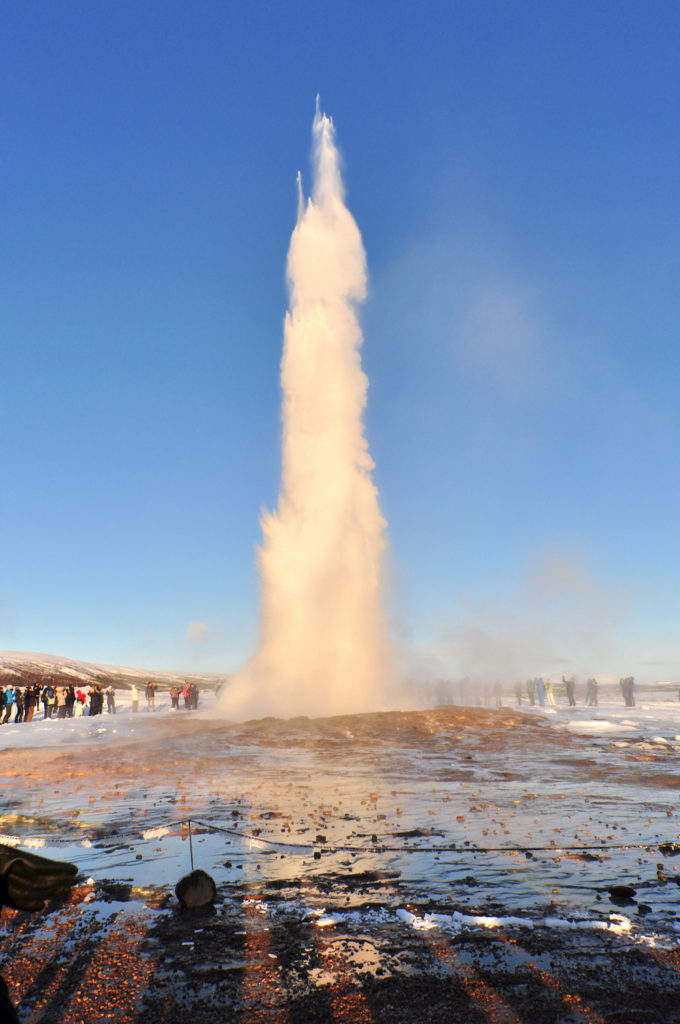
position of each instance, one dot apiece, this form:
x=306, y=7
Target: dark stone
x=621, y=891
x=196, y=890
x=28, y=881
x=621, y=895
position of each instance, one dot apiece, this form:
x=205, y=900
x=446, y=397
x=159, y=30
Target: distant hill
x=24, y=667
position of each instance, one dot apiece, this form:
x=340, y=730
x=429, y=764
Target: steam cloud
x=323, y=644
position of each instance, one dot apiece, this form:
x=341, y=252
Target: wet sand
x=453, y=864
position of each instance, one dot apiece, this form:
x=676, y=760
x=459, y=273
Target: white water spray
x=323, y=645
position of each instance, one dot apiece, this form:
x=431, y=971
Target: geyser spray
x=323, y=644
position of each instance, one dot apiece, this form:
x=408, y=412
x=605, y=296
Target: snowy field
x=655, y=718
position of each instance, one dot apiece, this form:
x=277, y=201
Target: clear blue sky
x=514, y=170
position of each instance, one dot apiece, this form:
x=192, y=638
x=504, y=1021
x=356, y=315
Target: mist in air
x=323, y=644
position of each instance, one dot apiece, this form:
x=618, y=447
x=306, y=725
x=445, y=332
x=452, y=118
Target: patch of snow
x=156, y=833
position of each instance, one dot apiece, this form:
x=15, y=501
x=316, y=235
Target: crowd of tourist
x=542, y=691
x=71, y=701
x=538, y=691
x=54, y=701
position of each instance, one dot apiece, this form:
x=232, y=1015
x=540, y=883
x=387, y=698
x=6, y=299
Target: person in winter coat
x=570, y=687
x=151, y=696
x=9, y=703
x=19, y=702
x=61, y=702
x=96, y=700
x=31, y=699
x=70, y=700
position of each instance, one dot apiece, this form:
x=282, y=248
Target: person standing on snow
x=540, y=690
x=569, y=686
x=31, y=698
x=9, y=703
x=19, y=701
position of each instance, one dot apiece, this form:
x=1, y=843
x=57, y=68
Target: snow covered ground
x=654, y=719
x=122, y=725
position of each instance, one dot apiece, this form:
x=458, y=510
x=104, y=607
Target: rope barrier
x=138, y=836
x=671, y=849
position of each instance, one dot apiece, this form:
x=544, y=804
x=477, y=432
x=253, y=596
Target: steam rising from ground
x=323, y=645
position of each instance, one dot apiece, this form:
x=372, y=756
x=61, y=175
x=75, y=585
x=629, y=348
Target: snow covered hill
x=25, y=666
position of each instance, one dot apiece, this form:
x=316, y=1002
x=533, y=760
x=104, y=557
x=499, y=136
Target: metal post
x=191, y=847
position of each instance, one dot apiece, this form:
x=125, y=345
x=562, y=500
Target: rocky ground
x=255, y=958
x=449, y=865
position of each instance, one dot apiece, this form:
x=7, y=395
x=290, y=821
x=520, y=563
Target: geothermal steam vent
x=323, y=645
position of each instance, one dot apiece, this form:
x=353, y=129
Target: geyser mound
x=323, y=645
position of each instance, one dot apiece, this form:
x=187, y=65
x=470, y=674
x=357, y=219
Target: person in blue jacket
x=9, y=703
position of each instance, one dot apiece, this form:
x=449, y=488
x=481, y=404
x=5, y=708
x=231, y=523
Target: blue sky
x=513, y=168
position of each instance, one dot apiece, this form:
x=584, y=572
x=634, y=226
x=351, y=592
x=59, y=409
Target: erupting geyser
x=323, y=645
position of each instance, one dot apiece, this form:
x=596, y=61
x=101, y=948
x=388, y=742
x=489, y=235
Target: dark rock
x=621, y=890
x=621, y=895
x=28, y=881
x=118, y=891
x=196, y=890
